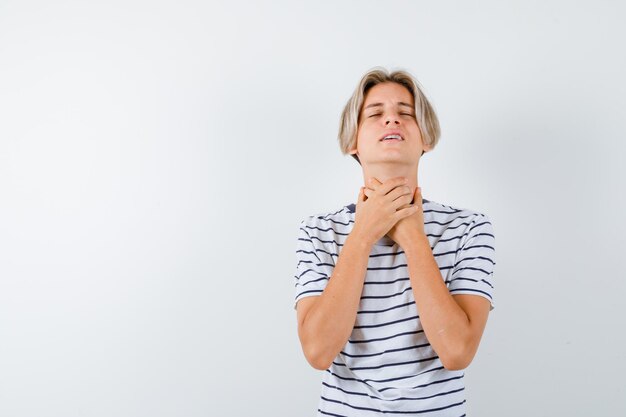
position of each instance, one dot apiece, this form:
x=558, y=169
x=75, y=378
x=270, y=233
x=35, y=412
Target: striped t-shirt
x=387, y=367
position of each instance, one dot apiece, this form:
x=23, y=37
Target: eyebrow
x=400, y=103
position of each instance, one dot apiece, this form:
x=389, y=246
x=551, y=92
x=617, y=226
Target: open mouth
x=392, y=138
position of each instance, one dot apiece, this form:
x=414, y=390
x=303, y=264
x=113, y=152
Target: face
x=388, y=108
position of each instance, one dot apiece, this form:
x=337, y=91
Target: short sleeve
x=473, y=268
x=314, y=263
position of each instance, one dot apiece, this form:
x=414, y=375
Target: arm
x=325, y=322
x=453, y=324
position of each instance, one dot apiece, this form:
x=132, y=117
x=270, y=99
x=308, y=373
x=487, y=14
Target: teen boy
x=393, y=292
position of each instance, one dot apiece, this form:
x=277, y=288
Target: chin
x=402, y=159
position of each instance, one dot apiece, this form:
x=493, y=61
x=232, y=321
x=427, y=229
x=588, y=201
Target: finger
x=405, y=212
x=403, y=201
x=390, y=184
x=368, y=191
x=361, y=195
x=373, y=183
x=398, y=192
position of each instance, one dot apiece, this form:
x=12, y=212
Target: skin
x=386, y=160
x=389, y=204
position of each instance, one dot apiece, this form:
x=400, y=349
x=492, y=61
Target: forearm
x=445, y=323
x=330, y=320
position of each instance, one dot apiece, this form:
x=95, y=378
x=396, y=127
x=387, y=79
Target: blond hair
x=350, y=116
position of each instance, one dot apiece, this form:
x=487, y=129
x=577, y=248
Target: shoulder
x=328, y=230
x=455, y=220
x=439, y=210
x=328, y=221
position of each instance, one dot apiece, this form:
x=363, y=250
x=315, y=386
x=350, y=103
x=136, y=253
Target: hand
x=407, y=227
x=380, y=208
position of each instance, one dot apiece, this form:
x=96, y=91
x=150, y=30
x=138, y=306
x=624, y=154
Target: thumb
x=361, y=195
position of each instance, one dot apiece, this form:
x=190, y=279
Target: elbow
x=317, y=359
x=319, y=351
x=458, y=360
x=455, y=364
x=320, y=364
x=317, y=354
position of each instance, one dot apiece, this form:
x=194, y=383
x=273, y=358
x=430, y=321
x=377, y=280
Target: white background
x=157, y=157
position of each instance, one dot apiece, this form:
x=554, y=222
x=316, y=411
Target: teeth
x=392, y=137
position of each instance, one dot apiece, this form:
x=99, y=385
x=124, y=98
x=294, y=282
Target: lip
x=392, y=132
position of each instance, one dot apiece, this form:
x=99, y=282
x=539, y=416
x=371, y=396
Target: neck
x=384, y=172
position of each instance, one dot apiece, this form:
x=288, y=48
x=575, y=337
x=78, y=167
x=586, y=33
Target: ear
x=355, y=154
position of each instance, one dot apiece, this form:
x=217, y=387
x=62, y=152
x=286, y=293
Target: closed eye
x=402, y=114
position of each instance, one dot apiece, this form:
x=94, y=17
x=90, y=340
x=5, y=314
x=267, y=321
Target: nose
x=391, y=118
